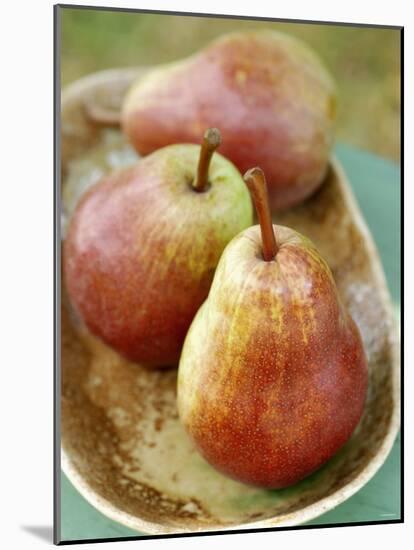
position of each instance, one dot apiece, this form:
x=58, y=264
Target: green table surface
x=377, y=186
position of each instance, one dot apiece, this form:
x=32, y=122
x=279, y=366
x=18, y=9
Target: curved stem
x=256, y=182
x=102, y=115
x=211, y=141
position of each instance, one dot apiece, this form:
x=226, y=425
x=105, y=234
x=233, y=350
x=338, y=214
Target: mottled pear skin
x=142, y=248
x=269, y=94
x=273, y=377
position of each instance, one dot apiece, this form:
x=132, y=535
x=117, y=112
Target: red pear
x=269, y=94
x=143, y=245
x=273, y=375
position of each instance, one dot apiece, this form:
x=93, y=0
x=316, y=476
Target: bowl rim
x=311, y=511
x=321, y=506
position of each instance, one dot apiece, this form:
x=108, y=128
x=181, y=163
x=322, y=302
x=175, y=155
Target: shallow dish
x=123, y=447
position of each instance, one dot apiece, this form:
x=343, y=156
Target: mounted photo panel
x=228, y=194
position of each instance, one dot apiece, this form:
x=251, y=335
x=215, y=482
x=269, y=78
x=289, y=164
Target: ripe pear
x=267, y=82
x=143, y=245
x=273, y=376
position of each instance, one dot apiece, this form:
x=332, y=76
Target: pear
x=273, y=376
x=143, y=244
x=265, y=82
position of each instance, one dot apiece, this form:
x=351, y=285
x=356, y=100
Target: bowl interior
x=123, y=444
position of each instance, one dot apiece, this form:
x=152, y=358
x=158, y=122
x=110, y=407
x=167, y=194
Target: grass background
x=364, y=61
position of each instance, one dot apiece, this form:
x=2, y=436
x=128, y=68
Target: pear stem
x=211, y=141
x=256, y=182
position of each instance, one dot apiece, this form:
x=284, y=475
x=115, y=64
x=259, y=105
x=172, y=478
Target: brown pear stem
x=256, y=182
x=104, y=116
x=211, y=141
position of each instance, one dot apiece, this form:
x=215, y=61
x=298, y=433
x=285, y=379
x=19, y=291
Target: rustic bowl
x=123, y=447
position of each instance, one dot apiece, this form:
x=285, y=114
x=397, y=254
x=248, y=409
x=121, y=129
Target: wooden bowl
x=123, y=447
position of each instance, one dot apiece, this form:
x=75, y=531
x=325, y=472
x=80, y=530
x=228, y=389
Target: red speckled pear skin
x=142, y=248
x=269, y=94
x=273, y=376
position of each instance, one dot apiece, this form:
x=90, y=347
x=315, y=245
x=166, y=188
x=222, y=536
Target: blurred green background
x=364, y=61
